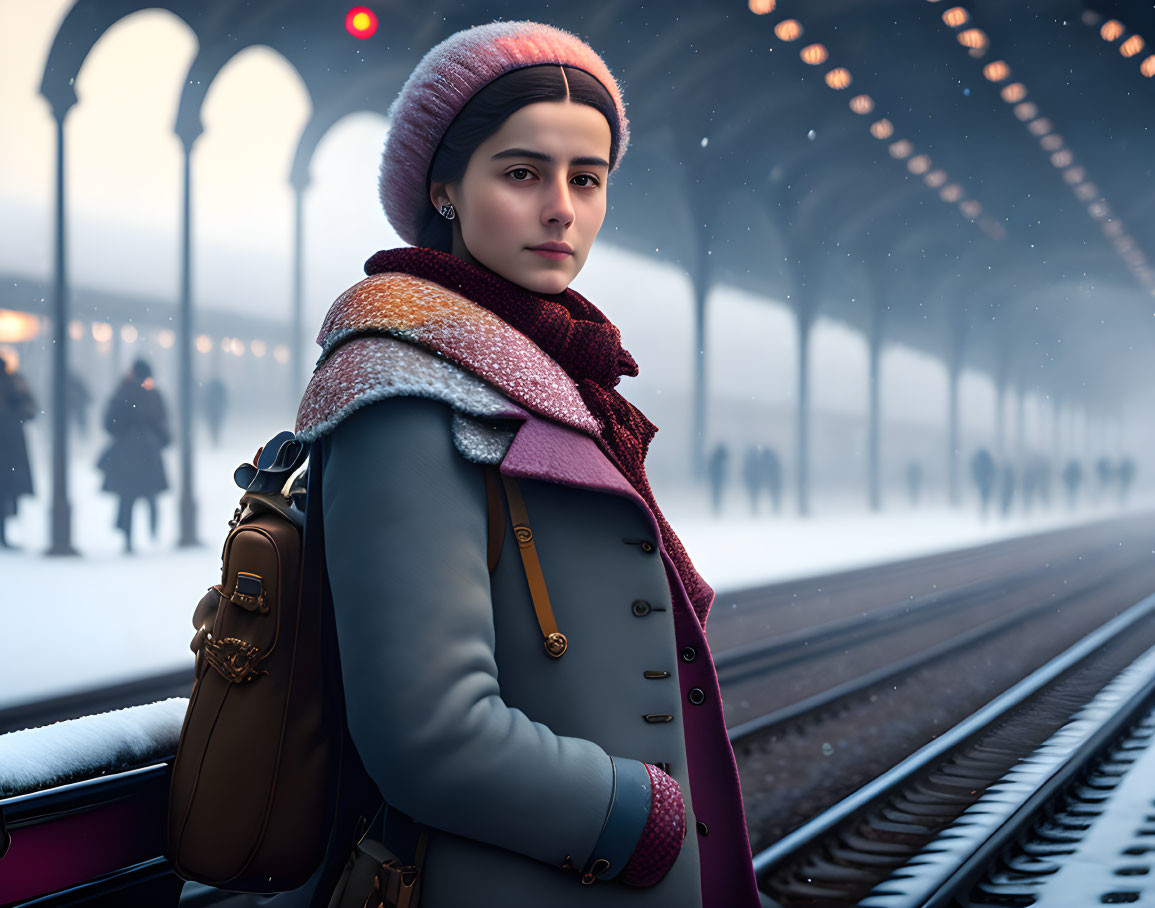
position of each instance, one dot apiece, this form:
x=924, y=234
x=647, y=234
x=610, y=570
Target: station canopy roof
x=973, y=179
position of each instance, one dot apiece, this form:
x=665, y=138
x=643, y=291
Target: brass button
x=696, y=695
x=647, y=546
x=556, y=644
x=689, y=653
x=641, y=608
x=702, y=830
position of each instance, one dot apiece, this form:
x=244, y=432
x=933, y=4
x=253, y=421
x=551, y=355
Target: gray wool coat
x=459, y=715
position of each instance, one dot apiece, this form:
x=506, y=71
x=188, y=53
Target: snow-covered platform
x=105, y=617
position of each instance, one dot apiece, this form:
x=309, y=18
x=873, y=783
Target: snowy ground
x=71, y=623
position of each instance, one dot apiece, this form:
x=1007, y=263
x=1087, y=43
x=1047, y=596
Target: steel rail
x=903, y=666
x=937, y=750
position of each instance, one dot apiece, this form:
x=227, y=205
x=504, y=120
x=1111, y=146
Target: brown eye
x=585, y=176
x=519, y=170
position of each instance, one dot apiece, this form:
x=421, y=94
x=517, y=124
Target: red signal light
x=361, y=22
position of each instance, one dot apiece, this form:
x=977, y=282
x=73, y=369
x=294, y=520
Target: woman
x=16, y=407
x=601, y=774
x=132, y=463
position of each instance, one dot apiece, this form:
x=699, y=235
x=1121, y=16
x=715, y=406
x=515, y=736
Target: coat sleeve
x=405, y=538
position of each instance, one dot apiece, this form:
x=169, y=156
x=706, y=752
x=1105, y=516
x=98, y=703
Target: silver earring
x=448, y=213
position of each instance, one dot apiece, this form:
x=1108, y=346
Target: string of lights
x=1015, y=93
x=839, y=78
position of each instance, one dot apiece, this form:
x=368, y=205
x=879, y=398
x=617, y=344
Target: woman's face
x=541, y=178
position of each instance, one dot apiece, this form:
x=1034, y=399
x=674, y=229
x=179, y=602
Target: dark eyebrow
x=542, y=156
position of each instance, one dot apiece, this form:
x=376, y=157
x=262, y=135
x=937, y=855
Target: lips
x=552, y=247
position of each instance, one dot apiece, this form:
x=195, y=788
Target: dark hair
x=484, y=114
x=141, y=369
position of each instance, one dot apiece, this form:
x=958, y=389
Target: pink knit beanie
x=443, y=82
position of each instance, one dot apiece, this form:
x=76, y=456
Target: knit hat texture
x=442, y=84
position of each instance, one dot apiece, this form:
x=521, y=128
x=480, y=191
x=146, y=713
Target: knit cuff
x=662, y=837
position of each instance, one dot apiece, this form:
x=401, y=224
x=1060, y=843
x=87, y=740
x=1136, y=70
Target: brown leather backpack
x=266, y=781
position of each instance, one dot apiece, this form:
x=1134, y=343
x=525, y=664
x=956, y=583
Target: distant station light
x=1098, y=210
x=951, y=193
x=129, y=334
x=1027, y=111
x=838, y=78
x=996, y=71
x=281, y=354
x=1062, y=158
x=1040, y=127
x=935, y=178
x=258, y=347
x=955, y=16
x=76, y=329
x=882, y=129
x=166, y=337
x=1052, y=142
x=101, y=332
x=1091, y=18
x=361, y=22
x=1131, y=46
x=204, y=343
x=1084, y=192
x=1074, y=175
x=901, y=149
x=813, y=54
x=1014, y=93
x=973, y=38
x=971, y=208
x=862, y=104
x=762, y=7
x=17, y=327
x=1112, y=29
x=1147, y=67
x=919, y=164
x=1112, y=227
x=788, y=30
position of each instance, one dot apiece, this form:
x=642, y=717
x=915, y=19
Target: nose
x=558, y=205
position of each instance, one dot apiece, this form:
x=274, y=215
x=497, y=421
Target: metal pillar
x=296, y=386
x=698, y=440
x=873, y=443
x=184, y=340
x=61, y=515
x=804, y=320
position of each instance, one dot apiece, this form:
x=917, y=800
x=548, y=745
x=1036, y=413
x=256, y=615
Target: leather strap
x=496, y=518
x=555, y=641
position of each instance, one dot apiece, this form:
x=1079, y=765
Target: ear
x=439, y=195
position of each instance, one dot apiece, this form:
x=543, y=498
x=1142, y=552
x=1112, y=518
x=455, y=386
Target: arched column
x=804, y=320
x=61, y=515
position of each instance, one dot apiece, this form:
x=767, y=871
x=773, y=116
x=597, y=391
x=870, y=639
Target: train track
x=939, y=825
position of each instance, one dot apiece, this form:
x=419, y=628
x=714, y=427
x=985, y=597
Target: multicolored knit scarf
x=587, y=345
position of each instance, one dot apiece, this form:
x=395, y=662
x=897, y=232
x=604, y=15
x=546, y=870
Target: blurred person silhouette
x=1126, y=474
x=78, y=399
x=1007, y=489
x=215, y=401
x=752, y=475
x=983, y=473
x=16, y=407
x=716, y=471
x=1072, y=479
x=1105, y=473
x=1030, y=484
x=772, y=478
x=914, y=482
x=132, y=463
